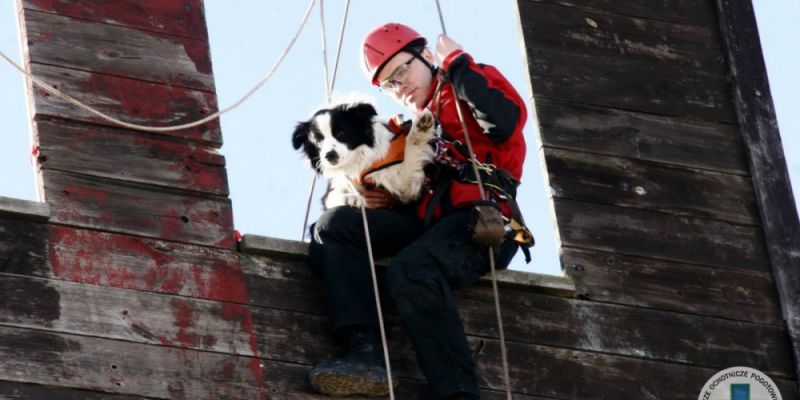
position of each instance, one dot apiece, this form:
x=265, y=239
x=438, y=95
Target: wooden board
x=726, y=293
x=629, y=84
x=23, y=247
x=661, y=236
x=130, y=100
x=554, y=321
x=692, y=12
x=18, y=391
x=232, y=329
x=123, y=261
x=180, y=18
x=645, y=185
x=603, y=34
x=140, y=210
x=100, y=48
x=130, y=156
x=759, y=127
x=641, y=136
x=127, y=368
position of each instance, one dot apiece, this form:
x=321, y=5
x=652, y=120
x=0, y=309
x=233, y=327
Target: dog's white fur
x=404, y=180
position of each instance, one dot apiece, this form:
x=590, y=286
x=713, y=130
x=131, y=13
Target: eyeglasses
x=398, y=76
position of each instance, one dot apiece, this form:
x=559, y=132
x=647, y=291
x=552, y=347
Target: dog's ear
x=300, y=134
x=363, y=110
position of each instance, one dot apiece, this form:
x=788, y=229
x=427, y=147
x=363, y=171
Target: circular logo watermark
x=740, y=383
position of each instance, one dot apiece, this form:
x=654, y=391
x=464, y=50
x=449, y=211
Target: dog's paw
x=423, y=129
x=424, y=121
x=354, y=200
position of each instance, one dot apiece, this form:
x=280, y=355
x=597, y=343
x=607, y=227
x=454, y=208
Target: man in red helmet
x=433, y=244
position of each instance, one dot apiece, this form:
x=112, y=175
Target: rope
x=145, y=128
x=378, y=304
x=328, y=91
x=474, y=163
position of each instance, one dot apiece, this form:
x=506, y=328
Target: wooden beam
x=556, y=285
x=759, y=128
x=24, y=209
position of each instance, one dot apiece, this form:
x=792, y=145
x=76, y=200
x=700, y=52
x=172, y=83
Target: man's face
x=407, y=80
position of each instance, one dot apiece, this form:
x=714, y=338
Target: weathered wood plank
x=661, y=236
x=630, y=84
x=129, y=100
x=99, y=48
x=123, y=261
x=667, y=140
x=24, y=209
x=254, y=244
x=180, y=18
x=631, y=183
x=136, y=209
x=694, y=12
x=554, y=321
x=23, y=247
x=130, y=156
x=602, y=34
x=629, y=331
x=127, y=368
x=23, y=391
x=233, y=329
x=726, y=293
x=569, y=374
x=759, y=128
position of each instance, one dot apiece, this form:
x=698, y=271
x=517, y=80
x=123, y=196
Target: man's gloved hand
x=444, y=46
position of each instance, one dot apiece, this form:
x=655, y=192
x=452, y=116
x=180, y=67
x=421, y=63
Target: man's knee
x=339, y=223
x=415, y=290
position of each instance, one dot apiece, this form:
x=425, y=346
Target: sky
x=269, y=181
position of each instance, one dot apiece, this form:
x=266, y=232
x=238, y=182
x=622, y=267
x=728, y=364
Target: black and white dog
x=343, y=140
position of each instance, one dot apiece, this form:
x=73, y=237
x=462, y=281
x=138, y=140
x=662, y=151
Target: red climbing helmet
x=382, y=43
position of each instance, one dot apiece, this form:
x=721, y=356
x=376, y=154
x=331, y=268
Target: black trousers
x=426, y=265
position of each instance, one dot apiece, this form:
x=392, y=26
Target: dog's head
x=330, y=138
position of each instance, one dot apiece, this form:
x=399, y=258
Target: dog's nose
x=332, y=157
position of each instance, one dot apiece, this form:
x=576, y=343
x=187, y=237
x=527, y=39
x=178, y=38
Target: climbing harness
x=146, y=128
x=479, y=181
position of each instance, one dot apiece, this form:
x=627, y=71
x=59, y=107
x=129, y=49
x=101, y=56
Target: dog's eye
x=316, y=137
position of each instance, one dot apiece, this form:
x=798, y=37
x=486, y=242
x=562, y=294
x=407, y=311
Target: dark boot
x=359, y=372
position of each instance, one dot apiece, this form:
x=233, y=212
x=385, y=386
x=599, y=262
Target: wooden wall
x=652, y=189
x=134, y=288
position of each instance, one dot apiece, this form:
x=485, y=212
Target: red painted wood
x=139, y=210
x=176, y=17
x=130, y=156
x=122, y=261
x=130, y=100
x=109, y=259
x=116, y=50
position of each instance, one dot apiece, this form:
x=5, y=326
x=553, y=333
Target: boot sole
x=340, y=385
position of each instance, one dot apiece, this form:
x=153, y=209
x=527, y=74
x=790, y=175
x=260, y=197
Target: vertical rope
x=378, y=304
x=474, y=162
x=339, y=44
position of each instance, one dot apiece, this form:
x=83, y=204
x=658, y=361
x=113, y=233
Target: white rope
x=329, y=85
x=329, y=92
x=339, y=46
x=474, y=162
x=145, y=128
x=378, y=304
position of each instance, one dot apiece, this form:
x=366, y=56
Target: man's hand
x=445, y=46
x=377, y=197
